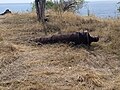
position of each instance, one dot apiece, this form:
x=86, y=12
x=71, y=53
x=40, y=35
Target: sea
x=103, y=9
x=16, y=7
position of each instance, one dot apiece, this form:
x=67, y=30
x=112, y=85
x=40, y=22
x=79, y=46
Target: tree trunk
x=40, y=9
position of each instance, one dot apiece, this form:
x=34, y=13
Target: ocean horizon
x=103, y=9
x=16, y=7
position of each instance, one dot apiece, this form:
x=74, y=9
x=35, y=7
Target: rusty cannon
x=76, y=38
x=7, y=11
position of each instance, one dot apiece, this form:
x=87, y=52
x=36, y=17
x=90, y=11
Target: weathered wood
x=40, y=9
x=37, y=8
x=76, y=38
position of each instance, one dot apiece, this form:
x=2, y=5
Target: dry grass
x=27, y=66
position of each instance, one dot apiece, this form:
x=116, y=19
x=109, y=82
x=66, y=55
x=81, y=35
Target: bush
x=49, y=5
x=63, y=5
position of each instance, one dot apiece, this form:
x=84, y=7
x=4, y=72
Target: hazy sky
x=28, y=1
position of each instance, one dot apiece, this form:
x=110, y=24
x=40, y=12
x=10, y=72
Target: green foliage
x=33, y=6
x=49, y=5
x=70, y=5
x=118, y=6
x=118, y=9
x=62, y=5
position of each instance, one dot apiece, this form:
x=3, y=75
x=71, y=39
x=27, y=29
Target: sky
x=29, y=1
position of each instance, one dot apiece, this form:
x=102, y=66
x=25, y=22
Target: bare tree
x=40, y=9
x=70, y=5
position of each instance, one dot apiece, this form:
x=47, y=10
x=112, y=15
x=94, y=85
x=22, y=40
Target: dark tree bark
x=40, y=9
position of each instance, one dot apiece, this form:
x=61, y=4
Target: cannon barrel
x=76, y=38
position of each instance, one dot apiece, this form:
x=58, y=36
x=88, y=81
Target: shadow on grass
x=92, y=47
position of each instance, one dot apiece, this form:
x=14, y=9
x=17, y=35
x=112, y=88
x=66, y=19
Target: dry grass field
x=25, y=65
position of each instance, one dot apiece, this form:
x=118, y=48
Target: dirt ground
x=24, y=65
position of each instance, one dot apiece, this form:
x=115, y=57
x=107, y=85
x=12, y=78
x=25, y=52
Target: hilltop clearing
x=27, y=66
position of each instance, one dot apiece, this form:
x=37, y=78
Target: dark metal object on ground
x=7, y=11
x=76, y=38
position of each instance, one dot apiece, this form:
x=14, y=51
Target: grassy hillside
x=25, y=65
